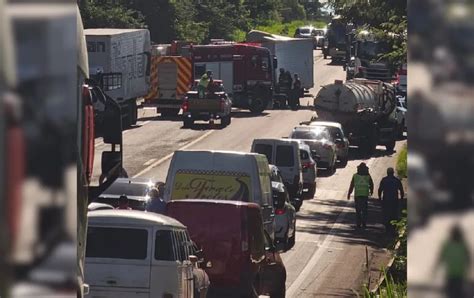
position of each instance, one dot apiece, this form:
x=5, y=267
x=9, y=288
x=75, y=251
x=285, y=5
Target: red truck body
x=247, y=71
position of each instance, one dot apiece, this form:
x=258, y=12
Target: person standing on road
x=455, y=257
x=296, y=91
x=389, y=189
x=364, y=187
x=157, y=204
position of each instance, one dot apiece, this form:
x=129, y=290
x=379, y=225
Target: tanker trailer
x=365, y=109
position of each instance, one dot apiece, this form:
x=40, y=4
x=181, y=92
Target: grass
x=389, y=289
x=285, y=29
x=402, y=163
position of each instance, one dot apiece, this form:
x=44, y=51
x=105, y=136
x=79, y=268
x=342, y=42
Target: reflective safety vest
x=361, y=185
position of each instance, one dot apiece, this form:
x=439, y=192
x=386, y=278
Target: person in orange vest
x=363, y=187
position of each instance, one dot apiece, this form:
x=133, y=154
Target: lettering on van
x=211, y=186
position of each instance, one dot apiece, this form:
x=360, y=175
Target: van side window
x=284, y=156
x=265, y=150
x=164, y=246
x=180, y=244
x=117, y=243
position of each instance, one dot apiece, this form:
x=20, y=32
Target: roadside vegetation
x=402, y=167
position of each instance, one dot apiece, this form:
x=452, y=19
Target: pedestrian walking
x=455, y=257
x=390, y=192
x=363, y=187
x=157, y=204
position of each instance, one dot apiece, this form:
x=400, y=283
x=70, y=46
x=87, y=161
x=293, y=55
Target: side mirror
x=275, y=62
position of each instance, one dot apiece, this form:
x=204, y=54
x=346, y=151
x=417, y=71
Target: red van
x=240, y=258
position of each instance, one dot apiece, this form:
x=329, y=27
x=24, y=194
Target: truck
x=365, y=59
x=171, y=76
x=214, y=105
x=119, y=60
x=292, y=54
x=336, y=41
x=365, y=109
x=247, y=72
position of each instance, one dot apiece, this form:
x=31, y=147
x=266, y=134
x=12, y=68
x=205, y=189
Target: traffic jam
x=221, y=221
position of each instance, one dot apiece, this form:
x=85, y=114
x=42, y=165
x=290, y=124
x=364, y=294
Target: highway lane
x=329, y=258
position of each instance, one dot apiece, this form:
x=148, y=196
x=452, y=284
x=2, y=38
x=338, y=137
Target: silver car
x=285, y=212
x=319, y=140
x=337, y=133
x=309, y=171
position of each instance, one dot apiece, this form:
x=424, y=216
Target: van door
x=166, y=265
x=118, y=258
x=285, y=161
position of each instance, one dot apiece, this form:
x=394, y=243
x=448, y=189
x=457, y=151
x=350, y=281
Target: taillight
x=280, y=211
x=308, y=165
x=185, y=106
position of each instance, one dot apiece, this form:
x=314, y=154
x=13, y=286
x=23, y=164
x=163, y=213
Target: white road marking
x=149, y=162
x=307, y=271
x=162, y=160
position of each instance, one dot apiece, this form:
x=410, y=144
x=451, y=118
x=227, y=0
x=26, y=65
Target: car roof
x=282, y=140
x=305, y=128
x=132, y=217
x=326, y=123
x=239, y=204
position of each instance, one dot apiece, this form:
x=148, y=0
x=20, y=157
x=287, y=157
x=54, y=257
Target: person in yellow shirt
x=204, y=83
x=363, y=187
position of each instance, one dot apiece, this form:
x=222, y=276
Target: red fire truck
x=247, y=71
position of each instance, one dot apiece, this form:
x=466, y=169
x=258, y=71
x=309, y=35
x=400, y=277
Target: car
x=306, y=32
x=337, y=133
x=319, y=34
x=285, y=212
x=309, y=170
x=319, y=140
x=239, y=254
x=130, y=252
x=135, y=189
x=283, y=153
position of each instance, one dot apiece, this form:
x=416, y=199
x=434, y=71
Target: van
x=137, y=254
x=239, y=254
x=285, y=154
x=222, y=175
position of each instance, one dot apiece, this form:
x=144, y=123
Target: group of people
x=291, y=87
x=389, y=193
x=156, y=204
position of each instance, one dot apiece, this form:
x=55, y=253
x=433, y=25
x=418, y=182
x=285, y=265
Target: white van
x=222, y=175
x=137, y=254
x=285, y=154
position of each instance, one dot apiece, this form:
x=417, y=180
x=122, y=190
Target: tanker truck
x=365, y=109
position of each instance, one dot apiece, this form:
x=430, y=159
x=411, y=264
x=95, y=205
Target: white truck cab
x=137, y=254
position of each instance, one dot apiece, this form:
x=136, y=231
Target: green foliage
x=402, y=168
x=104, y=14
x=389, y=289
x=288, y=29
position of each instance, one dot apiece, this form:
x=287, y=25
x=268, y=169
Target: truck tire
x=390, y=146
x=344, y=161
x=257, y=106
x=188, y=123
x=225, y=121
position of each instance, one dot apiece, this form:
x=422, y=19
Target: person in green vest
x=363, y=187
x=455, y=257
x=204, y=83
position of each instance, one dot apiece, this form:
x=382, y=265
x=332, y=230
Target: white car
x=309, y=171
x=401, y=114
x=285, y=212
x=337, y=133
x=320, y=140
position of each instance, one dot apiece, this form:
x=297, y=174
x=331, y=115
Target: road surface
x=330, y=257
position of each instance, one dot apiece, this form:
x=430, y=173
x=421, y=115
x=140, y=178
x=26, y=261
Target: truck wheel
x=188, y=123
x=257, y=106
x=390, y=146
x=344, y=161
x=291, y=241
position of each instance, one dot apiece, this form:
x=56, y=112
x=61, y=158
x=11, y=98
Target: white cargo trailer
x=293, y=54
x=119, y=60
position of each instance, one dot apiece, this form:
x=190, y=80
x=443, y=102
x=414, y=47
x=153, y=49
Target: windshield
x=318, y=32
x=304, y=31
x=317, y=134
x=129, y=189
x=371, y=50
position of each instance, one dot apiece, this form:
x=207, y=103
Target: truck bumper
x=204, y=116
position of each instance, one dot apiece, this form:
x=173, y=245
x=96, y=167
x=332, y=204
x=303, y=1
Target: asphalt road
x=330, y=257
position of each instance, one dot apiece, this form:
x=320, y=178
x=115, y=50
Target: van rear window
x=117, y=243
x=265, y=150
x=284, y=156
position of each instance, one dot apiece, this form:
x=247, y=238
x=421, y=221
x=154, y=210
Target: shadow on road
x=357, y=154
x=205, y=126
x=161, y=118
x=247, y=114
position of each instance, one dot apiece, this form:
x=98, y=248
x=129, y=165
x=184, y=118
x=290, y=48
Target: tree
x=292, y=10
x=104, y=14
